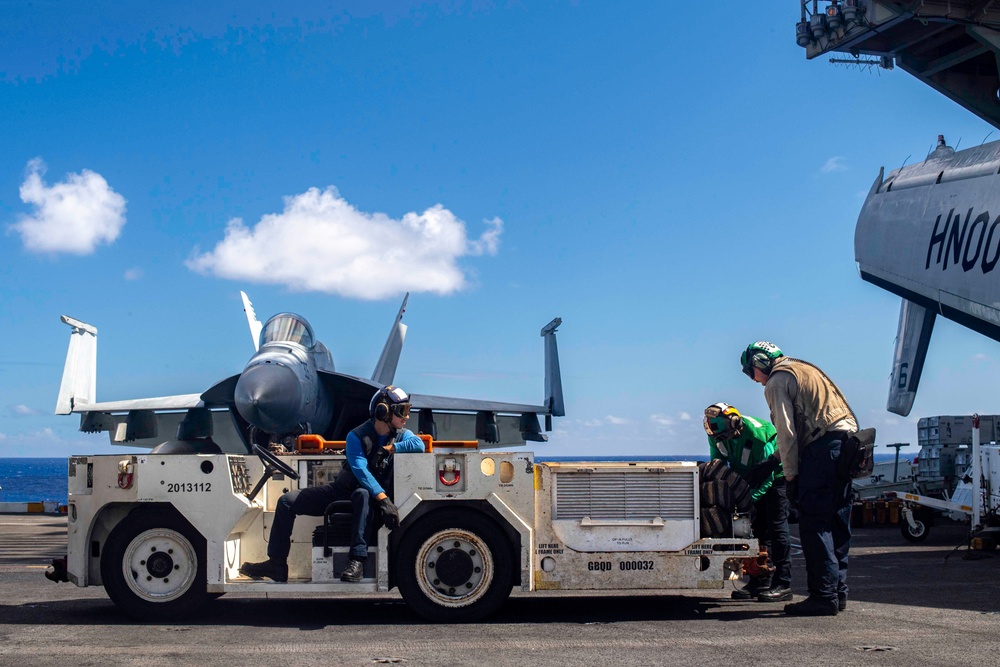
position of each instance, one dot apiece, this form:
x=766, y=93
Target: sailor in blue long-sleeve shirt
x=365, y=475
x=401, y=441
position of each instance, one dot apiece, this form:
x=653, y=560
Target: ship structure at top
x=951, y=45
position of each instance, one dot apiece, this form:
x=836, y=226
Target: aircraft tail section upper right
x=79, y=380
x=913, y=337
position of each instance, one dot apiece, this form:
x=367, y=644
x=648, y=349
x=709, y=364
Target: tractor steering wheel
x=273, y=462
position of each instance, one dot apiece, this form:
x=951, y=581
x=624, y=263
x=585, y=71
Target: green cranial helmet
x=760, y=355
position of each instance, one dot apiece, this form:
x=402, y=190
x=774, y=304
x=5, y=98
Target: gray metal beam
x=954, y=58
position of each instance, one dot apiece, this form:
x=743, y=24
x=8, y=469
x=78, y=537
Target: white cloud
x=670, y=421
x=73, y=216
x=3, y=436
x=321, y=243
x=22, y=410
x=610, y=420
x=662, y=420
x=834, y=164
x=133, y=274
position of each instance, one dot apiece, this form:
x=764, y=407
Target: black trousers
x=313, y=501
x=770, y=525
x=824, y=518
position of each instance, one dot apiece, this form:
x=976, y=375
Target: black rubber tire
x=717, y=493
x=712, y=470
x=742, y=494
x=716, y=473
x=716, y=522
x=918, y=534
x=480, y=560
x=136, y=583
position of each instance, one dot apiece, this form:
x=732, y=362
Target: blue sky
x=673, y=183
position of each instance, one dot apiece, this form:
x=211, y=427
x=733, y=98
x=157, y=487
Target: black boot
x=754, y=587
x=812, y=607
x=271, y=569
x=776, y=594
x=354, y=572
x=842, y=601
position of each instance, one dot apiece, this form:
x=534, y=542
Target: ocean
x=38, y=480
x=33, y=480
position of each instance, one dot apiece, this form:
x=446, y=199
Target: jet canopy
x=287, y=328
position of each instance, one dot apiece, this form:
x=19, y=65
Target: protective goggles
x=715, y=425
x=401, y=410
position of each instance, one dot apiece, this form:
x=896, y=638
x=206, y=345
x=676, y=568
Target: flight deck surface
x=908, y=606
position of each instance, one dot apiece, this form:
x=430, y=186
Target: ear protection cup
x=761, y=361
x=760, y=355
x=386, y=401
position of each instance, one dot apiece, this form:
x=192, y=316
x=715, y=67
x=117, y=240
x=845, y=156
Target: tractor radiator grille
x=624, y=495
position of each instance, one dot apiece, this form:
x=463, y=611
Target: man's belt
x=829, y=437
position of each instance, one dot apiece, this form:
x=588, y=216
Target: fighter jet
x=930, y=232
x=288, y=388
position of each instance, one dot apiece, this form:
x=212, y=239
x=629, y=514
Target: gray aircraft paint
x=930, y=232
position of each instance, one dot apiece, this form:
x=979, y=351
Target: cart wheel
x=455, y=567
x=916, y=533
x=153, y=566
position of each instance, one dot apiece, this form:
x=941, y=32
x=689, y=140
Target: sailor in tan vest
x=812, y=419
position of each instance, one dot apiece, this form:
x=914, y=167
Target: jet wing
x=495, y=423
x=148, y=422
x=220, y=395
x=926, y=233
x=424, y=401
x=161, y=403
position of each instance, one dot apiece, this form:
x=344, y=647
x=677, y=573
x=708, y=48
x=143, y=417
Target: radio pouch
x=857, y=455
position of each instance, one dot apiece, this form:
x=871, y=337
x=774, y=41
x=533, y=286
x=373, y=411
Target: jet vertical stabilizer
x=385, y=369
x=553, y=376
x=255, y=325
x=912, y=340
x=79, y=380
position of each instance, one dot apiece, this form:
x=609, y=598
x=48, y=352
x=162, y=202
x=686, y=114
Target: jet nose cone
x=269, y=397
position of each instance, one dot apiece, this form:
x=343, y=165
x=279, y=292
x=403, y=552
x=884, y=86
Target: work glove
x=390, y=515
x=760, y=472
x=792, y=491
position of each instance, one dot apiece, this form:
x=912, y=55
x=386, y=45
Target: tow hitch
x=57, y=570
